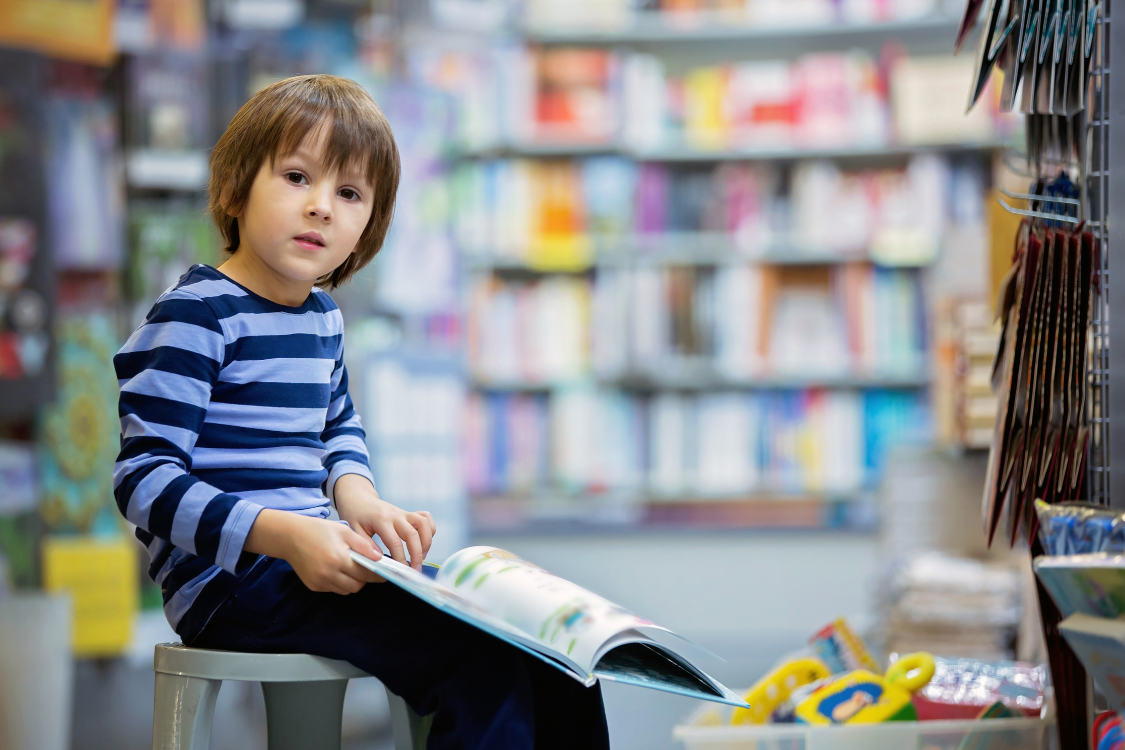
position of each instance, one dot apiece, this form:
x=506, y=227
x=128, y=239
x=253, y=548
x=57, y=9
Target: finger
x=409, y=535
x=425, y=534
x=366, y=547
x=343, y=583
x=428, y=517
x=328, y=584
x=363, y=544
x=360, y=573
x=390, y=537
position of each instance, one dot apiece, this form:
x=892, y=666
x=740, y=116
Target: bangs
x=352, y=143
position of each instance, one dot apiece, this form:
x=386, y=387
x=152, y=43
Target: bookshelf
x=872, y=403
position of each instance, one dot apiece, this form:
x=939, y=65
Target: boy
x=238, y=431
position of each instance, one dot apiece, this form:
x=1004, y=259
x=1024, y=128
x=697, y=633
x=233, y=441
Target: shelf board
x=609, y=514
x=661, y=28
x=706, y=378
x=686, y=154
x=686, y=248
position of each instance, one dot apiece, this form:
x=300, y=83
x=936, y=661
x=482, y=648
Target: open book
x=563, y=624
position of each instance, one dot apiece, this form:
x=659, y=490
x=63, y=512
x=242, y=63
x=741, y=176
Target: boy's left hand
x=402, y=532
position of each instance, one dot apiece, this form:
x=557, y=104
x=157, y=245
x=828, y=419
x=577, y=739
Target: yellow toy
x=863, y=697
x=774, y=689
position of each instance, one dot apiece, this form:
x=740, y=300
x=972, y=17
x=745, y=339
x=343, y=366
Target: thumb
x=363, y=545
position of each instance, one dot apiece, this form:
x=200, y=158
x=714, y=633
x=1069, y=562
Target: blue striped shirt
x=230, y=403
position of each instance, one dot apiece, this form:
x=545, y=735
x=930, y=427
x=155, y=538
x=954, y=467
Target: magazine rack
x=1053, y=145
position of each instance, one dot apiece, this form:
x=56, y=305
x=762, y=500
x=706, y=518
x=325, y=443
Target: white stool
x=304, y=698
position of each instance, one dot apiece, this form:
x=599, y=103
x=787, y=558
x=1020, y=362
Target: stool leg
x=409, y=728
x=304, y=715
x=183, y=709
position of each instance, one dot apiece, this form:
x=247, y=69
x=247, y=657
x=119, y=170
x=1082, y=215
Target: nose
x=320, y=203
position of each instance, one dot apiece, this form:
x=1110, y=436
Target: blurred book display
x=954, y=607
x=569, y=215
x=697, y=282
x=606, y=99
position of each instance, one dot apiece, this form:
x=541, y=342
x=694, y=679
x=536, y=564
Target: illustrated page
x=557, y=613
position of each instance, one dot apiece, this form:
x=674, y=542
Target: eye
x=348, y=194
x=295, y=178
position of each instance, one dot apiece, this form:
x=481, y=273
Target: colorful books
x=558, y=214
x=724, y=444
x=529, y=333
x=576, y=97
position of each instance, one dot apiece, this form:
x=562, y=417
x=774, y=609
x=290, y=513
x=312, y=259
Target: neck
x=247, y=269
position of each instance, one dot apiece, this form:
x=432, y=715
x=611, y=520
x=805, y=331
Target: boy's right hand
x=318, y=549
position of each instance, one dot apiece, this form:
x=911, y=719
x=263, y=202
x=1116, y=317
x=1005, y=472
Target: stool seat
x=178, y=659
x=304, y=697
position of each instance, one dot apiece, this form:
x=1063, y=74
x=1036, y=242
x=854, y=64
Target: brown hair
x=273, y=124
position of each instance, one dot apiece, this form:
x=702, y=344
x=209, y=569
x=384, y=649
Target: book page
x=559, y=614
x=437, y=595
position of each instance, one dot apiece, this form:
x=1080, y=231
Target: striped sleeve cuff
x=234, y=533
x=341, y=468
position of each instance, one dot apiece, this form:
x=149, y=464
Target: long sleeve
x=166, y=372
x=343, y=435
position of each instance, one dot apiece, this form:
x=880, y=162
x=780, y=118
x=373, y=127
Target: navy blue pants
x=483, y=692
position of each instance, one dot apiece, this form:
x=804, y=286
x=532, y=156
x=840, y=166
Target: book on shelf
x=820, y=100
x=569, y=628
x=738, y=322
x=553, y=214
x=719, y=444
x=529, y=332
x=928, y=102
x=576, y=97
x=558, y=96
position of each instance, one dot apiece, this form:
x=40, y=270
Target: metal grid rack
x=1097, y=169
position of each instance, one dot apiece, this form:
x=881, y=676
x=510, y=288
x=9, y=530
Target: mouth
x=310, y=240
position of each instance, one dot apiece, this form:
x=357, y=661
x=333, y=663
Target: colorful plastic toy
x=775, y=688
x=862, y=697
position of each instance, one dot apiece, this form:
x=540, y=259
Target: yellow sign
x=69, y=29
x=101, y=577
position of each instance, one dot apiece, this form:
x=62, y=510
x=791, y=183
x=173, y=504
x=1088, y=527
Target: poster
x=80, y=432
x=80, y=30
x=100, y=574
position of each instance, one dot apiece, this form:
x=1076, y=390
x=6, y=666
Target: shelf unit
x=705, y=38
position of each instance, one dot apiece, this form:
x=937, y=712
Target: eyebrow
x=346, y=174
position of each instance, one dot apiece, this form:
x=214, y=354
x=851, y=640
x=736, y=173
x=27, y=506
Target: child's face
x=303, y=220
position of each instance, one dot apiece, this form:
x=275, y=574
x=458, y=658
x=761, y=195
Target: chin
x=306, y=271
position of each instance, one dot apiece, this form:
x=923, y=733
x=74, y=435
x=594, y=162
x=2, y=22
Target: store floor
x=749, y=598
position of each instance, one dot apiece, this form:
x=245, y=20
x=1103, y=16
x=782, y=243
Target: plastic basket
x=707, y=729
